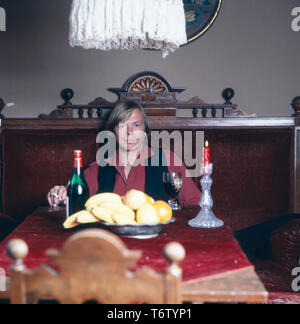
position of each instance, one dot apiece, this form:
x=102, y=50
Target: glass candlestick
x=206, y=217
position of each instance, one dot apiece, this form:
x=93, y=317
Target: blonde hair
x=122, y=112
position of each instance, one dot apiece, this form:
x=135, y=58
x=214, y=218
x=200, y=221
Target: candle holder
x=206, y=217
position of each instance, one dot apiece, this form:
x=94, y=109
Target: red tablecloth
x=209, y=252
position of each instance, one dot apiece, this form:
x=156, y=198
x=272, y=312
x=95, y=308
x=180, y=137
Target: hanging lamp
x=128, y=24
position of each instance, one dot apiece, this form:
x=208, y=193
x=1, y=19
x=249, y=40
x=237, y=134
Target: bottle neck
x=77, y=165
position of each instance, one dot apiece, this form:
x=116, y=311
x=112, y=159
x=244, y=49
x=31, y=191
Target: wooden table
x=215, y=268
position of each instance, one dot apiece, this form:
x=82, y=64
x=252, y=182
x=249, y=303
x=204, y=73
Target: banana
x=103, y=214
x=123, y=220
x=71, y=222
x=90, y=208
x=96, y=200
x=119, y=209
x=84, y=217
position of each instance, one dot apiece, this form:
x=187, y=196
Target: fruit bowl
x=136, y=214
x=141, y=231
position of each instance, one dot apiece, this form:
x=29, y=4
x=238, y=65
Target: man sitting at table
x=129, y=123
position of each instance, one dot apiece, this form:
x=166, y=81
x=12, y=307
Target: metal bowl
x=135, y=231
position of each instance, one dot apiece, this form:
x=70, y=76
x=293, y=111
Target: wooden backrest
x=94, y=265
x=252, y=178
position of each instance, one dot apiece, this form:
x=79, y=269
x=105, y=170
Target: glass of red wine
x=173, y=184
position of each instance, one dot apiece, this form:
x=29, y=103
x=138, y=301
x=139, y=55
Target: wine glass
x=173, y=183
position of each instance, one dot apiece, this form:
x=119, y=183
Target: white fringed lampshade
x=128, y=24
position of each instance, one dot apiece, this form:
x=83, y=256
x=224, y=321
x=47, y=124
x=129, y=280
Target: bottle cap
x=77, y=154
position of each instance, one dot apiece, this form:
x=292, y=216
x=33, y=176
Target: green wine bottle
x=78, y=189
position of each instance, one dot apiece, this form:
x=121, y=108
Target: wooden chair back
x=94, y=265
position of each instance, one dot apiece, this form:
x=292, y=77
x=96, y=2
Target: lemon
x=135, y=199
x=148, y=215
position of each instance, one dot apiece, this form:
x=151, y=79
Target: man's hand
x=57, y=195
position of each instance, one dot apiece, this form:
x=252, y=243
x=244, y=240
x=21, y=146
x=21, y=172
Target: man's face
x=130, y=133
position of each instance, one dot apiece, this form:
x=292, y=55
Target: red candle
x=206, y=154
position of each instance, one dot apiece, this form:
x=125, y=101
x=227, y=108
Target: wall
x=251, y=47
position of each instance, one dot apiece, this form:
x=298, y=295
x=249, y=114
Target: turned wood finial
x=227, y=95
x=2, y=105
x=67, y=95
x=296, y=106
x=17, y=250
x=174, y=252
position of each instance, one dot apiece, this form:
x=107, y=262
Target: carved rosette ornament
x=148, y=84
x=147, y=87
